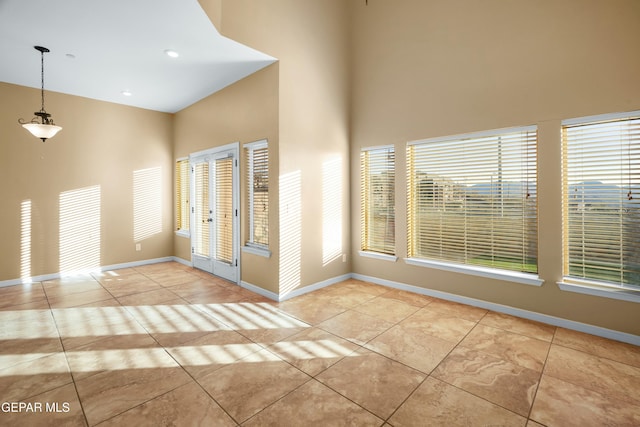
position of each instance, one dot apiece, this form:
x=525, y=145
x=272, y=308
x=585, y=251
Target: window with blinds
x=182, y=195
x=202, y=212
x=472, y=199
x=377, y=198
x=601, y=199
x=258, y=192
x=224, y=209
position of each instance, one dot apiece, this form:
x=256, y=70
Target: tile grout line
x=277, y=400
x=136, y=406
x=176, y=361
x=589, y=388
x=166, y=352
x=66, y=358
x=522, y=334
x=315, y=377
x=311, y=377
x=362, y=346
x=248, y=355
x=427, y=375
x=596, y=355
x=467, y=391
x=544, y=365
x=365, y=314
x=152, y=337
x=387, y=420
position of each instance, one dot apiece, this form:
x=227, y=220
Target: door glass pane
x=202, y=225
x=224, y=210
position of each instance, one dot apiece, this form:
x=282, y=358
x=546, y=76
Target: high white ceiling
x=101, y=48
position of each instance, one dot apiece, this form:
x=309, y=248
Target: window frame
x=385, y=251
x=182, y=197
x=251, y=246
x=583, y=283
x=461, y=266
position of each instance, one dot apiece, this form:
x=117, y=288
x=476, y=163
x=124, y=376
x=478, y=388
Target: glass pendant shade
x=42, y=131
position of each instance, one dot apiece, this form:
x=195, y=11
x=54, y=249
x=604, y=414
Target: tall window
x=601, y=159
x=472, y=199
x=377, y=212
x=182, y=194
x=258, y=192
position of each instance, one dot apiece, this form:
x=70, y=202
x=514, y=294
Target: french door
x=215, y=237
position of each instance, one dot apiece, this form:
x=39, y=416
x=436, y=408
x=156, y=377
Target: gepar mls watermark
x=35, y=407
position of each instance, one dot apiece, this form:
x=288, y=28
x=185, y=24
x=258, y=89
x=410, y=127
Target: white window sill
x=595, y=289
x=263, y=252
x=183, y=233
x=492, y=273
x=376, y=255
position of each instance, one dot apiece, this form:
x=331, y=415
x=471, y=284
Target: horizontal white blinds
x=224, y=209
x=602, y=200
x=377, y=213
x=202, y=213
x=472, y=199
x=258, y=181
x=182, y=194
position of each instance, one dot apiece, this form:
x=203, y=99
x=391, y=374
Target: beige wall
x=91, y=166
x=213, y=9
x=433, y=68
x=244, y=112
x=309, y=38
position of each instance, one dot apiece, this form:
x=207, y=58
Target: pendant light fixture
x=45, y=128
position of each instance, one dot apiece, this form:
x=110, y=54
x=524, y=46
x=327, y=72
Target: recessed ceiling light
x=171, y=53
x=126, y=93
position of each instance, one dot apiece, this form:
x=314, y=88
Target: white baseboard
x=182, y=261
x=525, y=314
x=58, y=275
x=314, y=287
x=27, y=280
x=136, y=263
x=296, y=292
x=260, y=291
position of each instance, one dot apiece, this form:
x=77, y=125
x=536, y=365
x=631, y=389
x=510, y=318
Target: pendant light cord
x=42, y=79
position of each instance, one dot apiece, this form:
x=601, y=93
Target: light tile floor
x=165, y=344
